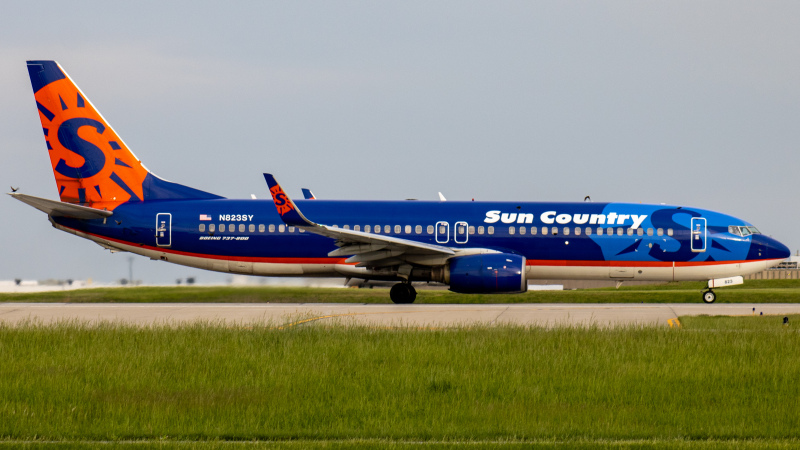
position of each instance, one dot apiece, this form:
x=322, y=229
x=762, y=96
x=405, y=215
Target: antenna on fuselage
x=587, y=199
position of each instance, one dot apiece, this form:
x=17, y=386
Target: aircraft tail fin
x=93, y=167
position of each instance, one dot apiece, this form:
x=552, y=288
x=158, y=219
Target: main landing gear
x=709, y=296
x=403, y=293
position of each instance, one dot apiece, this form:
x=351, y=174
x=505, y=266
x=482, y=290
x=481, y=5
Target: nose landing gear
x=709, y=296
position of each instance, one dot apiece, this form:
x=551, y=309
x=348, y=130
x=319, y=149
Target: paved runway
x=428, y=316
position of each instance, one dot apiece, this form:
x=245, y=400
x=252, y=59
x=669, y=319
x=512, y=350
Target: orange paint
x=110, y=194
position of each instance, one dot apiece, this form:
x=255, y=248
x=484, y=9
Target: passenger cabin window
x=271, y=228
x=649, y=231
x=367, y=228
x=356, y=227
x=480, y=230
x=346, y=227
x=408, y=229
x=241, y=228
x=418, y=229
x=202, y=227
x=490, y=230
x=577, y=231
x=588, y=231
x=669, y=231
x=211, y=227
x=619, y=231
x=397, y=229
x=511, y=230
x=566, y=231
x=630, y=231
x=377, y=229
x=554, y=231
x=533, y=231
x=660, y=231
x=522, y=230
x=261, y=228
x=281, y=228
x=387, y=229
x=640, y=231
x=471, y=230
x=251, y=228
x=232, y=228
x=430, y=229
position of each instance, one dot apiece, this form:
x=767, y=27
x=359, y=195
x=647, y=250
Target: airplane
x=109, y=197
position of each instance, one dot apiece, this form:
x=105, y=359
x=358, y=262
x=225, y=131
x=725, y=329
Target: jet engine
x=486, y=274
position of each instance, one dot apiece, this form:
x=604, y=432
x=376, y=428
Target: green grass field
x=714, y=383
x=753, y=291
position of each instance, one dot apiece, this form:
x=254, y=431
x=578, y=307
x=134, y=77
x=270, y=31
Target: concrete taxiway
x=429, y=316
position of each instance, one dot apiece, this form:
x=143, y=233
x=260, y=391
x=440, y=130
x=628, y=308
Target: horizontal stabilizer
x=61, y=209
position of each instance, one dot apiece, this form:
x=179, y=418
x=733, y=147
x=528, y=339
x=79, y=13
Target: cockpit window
x=743, y=231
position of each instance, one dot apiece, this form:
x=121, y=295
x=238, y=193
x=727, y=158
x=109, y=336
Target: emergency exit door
x=163, y=229
x=699, y=234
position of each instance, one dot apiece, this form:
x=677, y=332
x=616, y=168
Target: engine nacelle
x=487, y=273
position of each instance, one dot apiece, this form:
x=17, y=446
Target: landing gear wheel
x=709, y=296
x=403, y=293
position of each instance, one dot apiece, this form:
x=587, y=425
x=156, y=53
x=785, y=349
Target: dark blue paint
x=157, y=189
x=490, y=273
x=140, y=218
x=94, y=159
x=120, y=162
x=116, y=179
x=49, y=115
x=43, y=73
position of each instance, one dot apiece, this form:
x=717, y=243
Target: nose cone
x=763, y=247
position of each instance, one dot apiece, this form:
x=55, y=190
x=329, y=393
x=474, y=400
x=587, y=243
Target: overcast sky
x=689, y=103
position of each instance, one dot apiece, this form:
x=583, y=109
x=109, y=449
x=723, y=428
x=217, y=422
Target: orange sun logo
x=282, y=202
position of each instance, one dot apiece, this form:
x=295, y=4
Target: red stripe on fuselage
x=277, y=260
x=584, y=263
x=530, y=262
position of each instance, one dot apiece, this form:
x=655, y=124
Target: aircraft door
x=442, y=232
x=461, y=234
x=163, y=229
x=698, y=234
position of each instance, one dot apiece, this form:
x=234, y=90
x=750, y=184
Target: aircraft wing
x=368, y=249
x=61, y=209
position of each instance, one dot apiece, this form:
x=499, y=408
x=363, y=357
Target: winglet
x=285, y=206
x=308, y=195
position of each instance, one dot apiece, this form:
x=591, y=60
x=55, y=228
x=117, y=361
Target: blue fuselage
x=571, y=236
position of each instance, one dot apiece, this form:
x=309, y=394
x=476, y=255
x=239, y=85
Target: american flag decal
x=205, y=217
